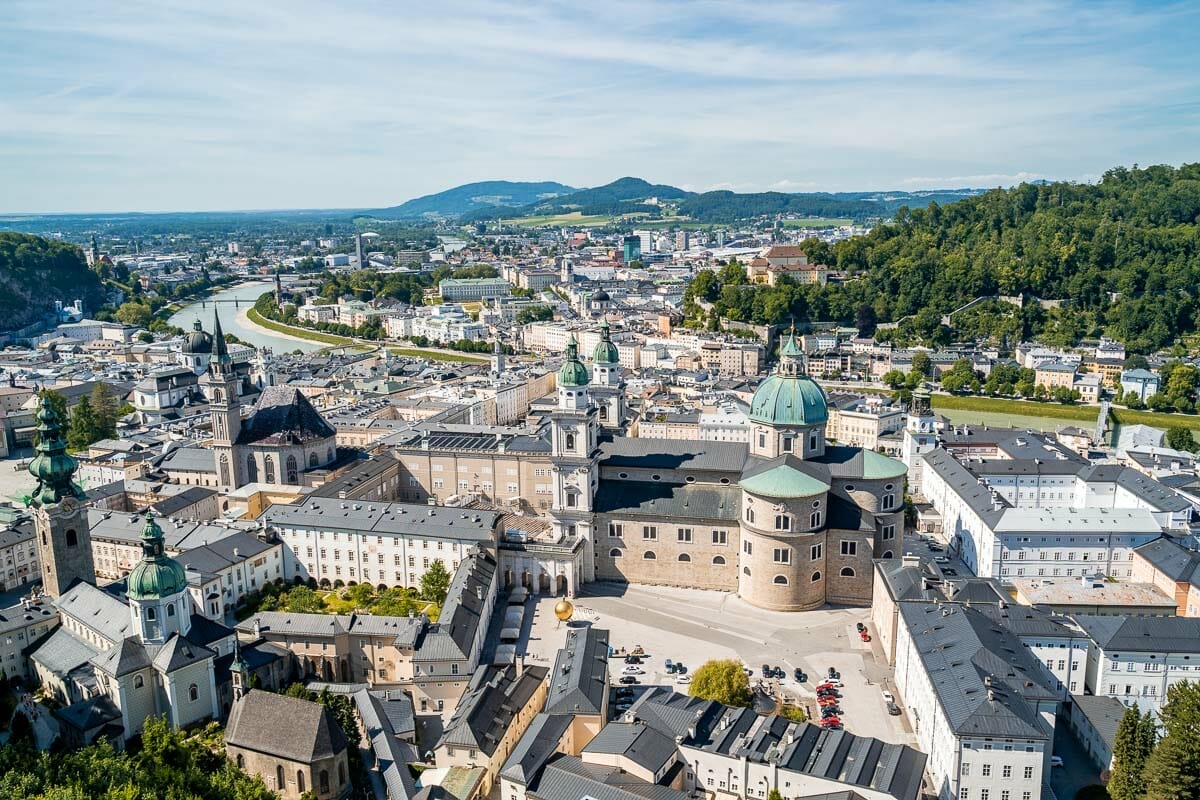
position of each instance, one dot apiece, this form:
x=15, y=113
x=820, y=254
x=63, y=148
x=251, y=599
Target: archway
x=527, y=580
x=345, y=671
x=543, y=584
x=508, y=579
x=327, y=671
x=560, y=585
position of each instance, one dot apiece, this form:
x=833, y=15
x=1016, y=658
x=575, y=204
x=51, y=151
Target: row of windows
x=650, y=555
x=1005, y=772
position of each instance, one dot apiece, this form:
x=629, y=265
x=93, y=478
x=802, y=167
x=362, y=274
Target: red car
x=830, y=722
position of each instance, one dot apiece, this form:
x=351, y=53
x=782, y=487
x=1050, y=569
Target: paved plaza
x=693, y=626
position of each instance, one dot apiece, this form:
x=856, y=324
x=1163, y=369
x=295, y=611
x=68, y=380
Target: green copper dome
x=157, y=575
x=52, y=466
x=572, y=372
x=784, y=400
x=606, y=351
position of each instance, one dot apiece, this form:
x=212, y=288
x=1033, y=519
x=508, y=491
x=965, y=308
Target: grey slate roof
x=636, y=741
x=89, y=714
x=283, y=415
x=212, y=557
x=179, y=652
x=1103, y=712
x=406, y=630
x=190, y=459
x=493, y=698
x=962, y=651
x=63, y=651
x=691, y=501
x=385, y=519
x=288, y=727
x=626, y=451
x=570, y=778
x=391, y=755
x=17, y=616
x=1160, y=635
x=126, y=656
x=536, y=747
x=452, y=637
x=1172, y=559
x=579, y=680
x=169, y=506
x=102, y=612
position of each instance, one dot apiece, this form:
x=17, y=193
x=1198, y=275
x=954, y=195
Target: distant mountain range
x=474, y=196
x=493, y=200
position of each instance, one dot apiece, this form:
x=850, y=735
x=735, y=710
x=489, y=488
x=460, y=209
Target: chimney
x=910, y=560
x=257, y=628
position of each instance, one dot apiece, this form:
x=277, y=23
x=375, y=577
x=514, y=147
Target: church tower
x=157, y=589
x=607, y=385
x=221, y=389
x=920, y=436
x=573, y=452
x=238, y=670
x=59, y=516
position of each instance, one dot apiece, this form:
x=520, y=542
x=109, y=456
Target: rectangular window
x=650, y=532
x=1006, y=772
x=616, y=530
x=787, y=444
x=889, y=532
x=783, y=522
x=815, y=552
x=683, y=534
x=747, y=547
x=1028, y=773
x=720, y=537
x=782, y=555
x=966, y=768
x=849, y=548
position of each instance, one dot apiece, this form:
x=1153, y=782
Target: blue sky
x=319, y=104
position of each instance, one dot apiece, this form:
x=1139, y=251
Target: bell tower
x=608, y=388
x=920, y=436
x=574, y=440
x=60, y=518
x=221, y=388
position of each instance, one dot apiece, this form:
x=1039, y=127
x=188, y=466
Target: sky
x=224, y=104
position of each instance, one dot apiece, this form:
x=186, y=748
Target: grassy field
x=436, y=355
x=301, y=333
x=572, y=218
x=820, y=222
x=999, y=405
x=1156, y=420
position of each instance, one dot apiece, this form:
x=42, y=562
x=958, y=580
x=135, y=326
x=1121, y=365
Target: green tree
x=302, y=600
x=83, y=428
x=894, y=378
x=1180, y=437
x=361, y=594
x=1130, y=751
x=435, y=583
x=107, y=410
x=921, y=363
x=1173, y=769
x=774, y=795
x=722, y=680
x=134, y=313
x=394, y=602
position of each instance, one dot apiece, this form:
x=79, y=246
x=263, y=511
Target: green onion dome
x=157, y=575
x=572, y=372
x=606, y=351
x=52, y=466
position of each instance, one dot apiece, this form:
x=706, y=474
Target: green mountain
x=34, y=272
x=472, y=196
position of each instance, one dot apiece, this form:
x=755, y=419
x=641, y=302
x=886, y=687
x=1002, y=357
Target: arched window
x=745, y=570
x=615, y=553
x=603, y=412
x=324, y=781
x=816, y=576
x=719, y=560
x=889, y=500
x=170, y=611
x=847, y=572
x=138, y=681
x=193, y=693
x=649, y=555
x=279, y=776
x=224, y=460
x=328, y=455
x=312, y=460
x=570, y=441
x=269, y=469
x=293, y=472
x=887, y=554
x=72, y=537
x=781, y=580
x=684, y=557
x=150, y=614
x=251, y=469
x=749, y=514
x=299, y=780
x=814, y=519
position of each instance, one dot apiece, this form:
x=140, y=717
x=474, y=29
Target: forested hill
x=34, y=272
x=1124, y=253
x=472, y=196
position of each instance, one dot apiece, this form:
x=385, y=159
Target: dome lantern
x=606, y=351
x=157, y=575
x=572, y=372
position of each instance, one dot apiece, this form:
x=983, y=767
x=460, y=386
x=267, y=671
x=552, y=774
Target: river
x=247, y=293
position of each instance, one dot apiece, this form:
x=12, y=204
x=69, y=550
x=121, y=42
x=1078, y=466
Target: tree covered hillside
x=34, y=272
x=1124, y=253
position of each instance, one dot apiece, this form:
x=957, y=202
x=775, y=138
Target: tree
x=135, y=314
x=302, y=600
x=866, y=320
x=1173, y=769
x=104, y=404
x=1137, y=361
x=435, y=583
x=1130, y=752
x=722, y=680
x=361, y=594
x=894, y=378
x=1180, y=437
x=82, y=430
x=774, y=795
x=922, y=363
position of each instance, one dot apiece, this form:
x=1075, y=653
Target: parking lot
x=693, y=626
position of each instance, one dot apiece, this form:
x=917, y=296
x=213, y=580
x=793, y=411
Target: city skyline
x=160, y=107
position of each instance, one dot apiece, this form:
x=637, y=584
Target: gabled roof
x=284, y=416
x=129, y=655
x=452, y=637
x=636, y=741
x=1142, y=634
x=98, y=610
x=491, y=702
x=579, y=679
x=571, y=778
x=536, y=747
x=180, y=652
x=691, y=501
x=287, y=727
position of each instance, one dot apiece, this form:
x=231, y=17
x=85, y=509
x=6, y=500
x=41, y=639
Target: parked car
x=888, y=697
x=1056, y=761
x=683, y=680
x=860, y=626
x=632, y=660
x=638, y=651
x=941, y=560
x=799, y=675
x=670, y=668
x=893, y=709
x=949, y=572
x=936, y=548
x=629, y=679
x=633, y=669
x=681, y=669
x=767, y=671
x=833, y=673
x=833, y=683
x=831, y=722
x=624, y=691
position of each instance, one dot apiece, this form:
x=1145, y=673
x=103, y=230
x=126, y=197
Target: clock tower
x=59, y=515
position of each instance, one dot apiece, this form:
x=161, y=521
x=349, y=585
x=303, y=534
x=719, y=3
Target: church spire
x=237, y=671
x=52, y=466
x=220, y=349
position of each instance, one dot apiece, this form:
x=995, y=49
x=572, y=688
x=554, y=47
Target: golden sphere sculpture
x=564, y=609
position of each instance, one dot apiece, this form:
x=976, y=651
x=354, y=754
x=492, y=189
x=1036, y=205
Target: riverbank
x=252, y=318
x=1084, y=415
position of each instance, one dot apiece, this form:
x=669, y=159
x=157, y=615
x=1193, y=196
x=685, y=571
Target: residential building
x=466, y=289
x=1136, y=659
x=1141, y=382
x=1173, y=569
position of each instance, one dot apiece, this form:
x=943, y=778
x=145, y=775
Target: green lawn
x=570, y=218
x=436, y=355
x=301, y=333
x=818, y=222
x=1029, y=408
x=1156, y=419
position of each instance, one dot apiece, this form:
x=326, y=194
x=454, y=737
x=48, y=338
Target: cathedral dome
x=789, y=400
x=572, y=372
x=157, y=575
x=198, y=342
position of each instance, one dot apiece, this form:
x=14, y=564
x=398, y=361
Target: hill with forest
x=473, y=196
x=640, y=197
x=1122, y=254
x=34, y=272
